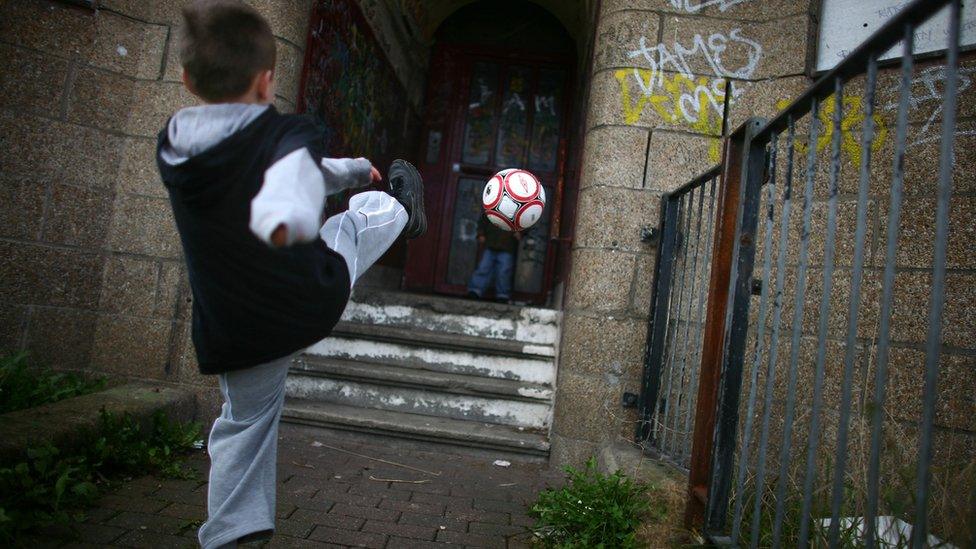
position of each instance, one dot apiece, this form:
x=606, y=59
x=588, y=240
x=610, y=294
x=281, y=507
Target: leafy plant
x=592, y=510
x=23, y=386
x=51, y=486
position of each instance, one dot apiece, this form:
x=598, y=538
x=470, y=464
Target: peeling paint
x=537, y=326
x=542, y=350
x=420, y=401
x=533, y=392
x=540, y=370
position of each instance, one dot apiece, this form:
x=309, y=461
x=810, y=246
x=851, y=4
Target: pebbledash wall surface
x=90, y=269
x=655, y=107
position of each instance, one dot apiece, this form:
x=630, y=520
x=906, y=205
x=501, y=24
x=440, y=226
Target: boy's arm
x=289, y=205
x=288, y=208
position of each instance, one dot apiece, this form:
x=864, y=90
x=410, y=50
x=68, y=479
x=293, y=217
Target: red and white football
x=514, y=199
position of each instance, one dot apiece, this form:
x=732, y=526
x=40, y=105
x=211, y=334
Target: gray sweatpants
x=243, y=444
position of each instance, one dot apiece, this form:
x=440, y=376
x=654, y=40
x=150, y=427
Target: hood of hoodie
x=194, y=130
x=201, y=146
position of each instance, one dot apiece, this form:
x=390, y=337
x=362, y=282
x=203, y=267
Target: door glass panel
x=510, y=150
x=464, y=231
x=530, y=265
x=480, y=119
x=545, y=124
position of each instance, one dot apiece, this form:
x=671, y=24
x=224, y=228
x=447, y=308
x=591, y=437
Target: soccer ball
x=514, y=199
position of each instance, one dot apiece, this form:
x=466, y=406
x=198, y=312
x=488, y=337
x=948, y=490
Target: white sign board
x=845, y=24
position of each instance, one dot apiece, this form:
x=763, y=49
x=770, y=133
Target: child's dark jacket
x=252, y=303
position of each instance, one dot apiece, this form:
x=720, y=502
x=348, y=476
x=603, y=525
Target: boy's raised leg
x=376, y=219
x=365, y=231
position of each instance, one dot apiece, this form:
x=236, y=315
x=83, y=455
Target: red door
x=487, y=112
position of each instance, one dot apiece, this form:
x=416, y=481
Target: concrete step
x=428, y=393
x=407, y=352
x=440, y=340
x=395, y=376
x=454, y=316
x=417, y=427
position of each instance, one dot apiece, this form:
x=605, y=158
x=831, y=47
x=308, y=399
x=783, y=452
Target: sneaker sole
x=417, y=224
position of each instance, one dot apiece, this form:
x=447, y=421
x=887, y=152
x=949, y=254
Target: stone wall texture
x=91, y=274
x=658, y=83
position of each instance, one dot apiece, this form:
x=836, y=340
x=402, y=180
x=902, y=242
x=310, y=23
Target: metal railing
x=771, y=454
x=675, y=334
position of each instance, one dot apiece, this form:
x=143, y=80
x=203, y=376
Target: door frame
x=468, y=55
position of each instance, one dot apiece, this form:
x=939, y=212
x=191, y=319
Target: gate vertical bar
x=737, y=325
x=798, y=303
x=784, y=235
x=933, y=342
x=687, y=319
x=887, y=290
x=696, y=362
x=686, y=204
x=813, y=438
x=840, y=460
x=657, y=330
x=714, y=338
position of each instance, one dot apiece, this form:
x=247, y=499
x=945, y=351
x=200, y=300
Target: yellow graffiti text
x=851, y=127
x=679, y=100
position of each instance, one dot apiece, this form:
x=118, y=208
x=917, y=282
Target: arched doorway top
x=573, y=15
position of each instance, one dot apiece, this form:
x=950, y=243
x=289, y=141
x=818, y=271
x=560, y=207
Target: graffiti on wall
x=695, y=6
x=668, y=86
x=349, y=87
x=684, y=84
x=926, y=96
x=851, y=124
x=924, y=101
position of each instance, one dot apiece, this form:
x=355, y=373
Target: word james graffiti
x=675, y=94
x=712, y=49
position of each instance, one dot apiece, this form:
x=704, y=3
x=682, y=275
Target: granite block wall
x=91, y=274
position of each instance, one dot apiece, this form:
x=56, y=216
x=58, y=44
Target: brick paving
x=332, y=498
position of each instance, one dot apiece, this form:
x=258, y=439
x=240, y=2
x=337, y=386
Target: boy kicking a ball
x=247, y=186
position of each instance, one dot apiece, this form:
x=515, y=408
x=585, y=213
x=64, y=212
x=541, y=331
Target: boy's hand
x=279, y=237
x=374, y=174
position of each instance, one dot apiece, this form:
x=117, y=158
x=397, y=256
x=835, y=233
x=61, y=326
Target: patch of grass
x=592, y=510
x=52, y=486
x=23, y=386
x=663, y=525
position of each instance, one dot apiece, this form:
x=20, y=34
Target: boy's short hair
x=223, y=45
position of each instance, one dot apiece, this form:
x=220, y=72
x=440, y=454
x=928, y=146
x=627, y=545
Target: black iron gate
x=770, y=452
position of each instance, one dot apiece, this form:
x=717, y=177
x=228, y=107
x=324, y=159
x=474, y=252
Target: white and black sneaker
x=408, y=188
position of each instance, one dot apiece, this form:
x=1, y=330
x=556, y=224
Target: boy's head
x=228, y=52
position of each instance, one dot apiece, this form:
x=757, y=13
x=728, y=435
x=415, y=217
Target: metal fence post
x=657, y=329
x=737, y=323
x=714, y=330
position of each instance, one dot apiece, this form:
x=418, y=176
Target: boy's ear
x=188, y=84
x=264, y=86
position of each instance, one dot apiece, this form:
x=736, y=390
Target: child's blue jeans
x=494, y=265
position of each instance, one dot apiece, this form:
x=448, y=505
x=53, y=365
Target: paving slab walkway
x=340, y=489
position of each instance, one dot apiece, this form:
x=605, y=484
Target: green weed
x=50, y=487
x=592, y=510
x=23, y=386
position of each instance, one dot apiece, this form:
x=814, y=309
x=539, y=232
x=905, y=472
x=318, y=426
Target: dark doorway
x=499, y=96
